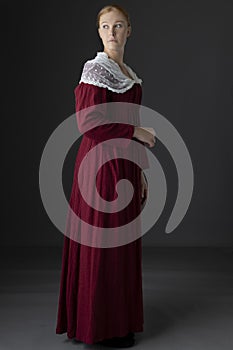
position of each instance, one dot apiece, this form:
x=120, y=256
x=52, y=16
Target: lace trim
x=104, y=72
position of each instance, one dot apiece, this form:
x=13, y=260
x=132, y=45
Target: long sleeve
x=91, y=111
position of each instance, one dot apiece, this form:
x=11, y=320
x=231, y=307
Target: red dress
x=101, y=288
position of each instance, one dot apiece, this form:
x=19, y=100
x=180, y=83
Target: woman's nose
x=112, y=31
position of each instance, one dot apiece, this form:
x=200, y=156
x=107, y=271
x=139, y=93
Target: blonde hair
x=109, y=8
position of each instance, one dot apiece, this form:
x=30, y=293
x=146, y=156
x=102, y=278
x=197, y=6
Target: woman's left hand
x=144, y=188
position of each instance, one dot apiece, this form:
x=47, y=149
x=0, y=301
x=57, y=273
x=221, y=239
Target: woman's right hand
x=144, y=136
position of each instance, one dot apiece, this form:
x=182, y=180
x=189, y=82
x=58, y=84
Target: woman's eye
x=105, y=26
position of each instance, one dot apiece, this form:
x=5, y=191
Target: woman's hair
x=109, y=8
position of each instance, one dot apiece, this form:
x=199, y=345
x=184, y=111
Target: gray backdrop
x=182, y=51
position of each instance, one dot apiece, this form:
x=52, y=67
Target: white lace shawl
x=103, y=71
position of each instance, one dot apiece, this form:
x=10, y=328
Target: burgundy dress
x=101, y=288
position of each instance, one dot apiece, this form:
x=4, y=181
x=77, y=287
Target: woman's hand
x=144, y=188
x=144, y=136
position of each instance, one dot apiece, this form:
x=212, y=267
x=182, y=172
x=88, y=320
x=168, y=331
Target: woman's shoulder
x=91, y=93
x=103, y=72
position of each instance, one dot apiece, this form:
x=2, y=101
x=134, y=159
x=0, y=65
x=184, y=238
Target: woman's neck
x=117, y=56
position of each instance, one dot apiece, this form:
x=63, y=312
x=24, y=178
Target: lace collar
x=103, y=71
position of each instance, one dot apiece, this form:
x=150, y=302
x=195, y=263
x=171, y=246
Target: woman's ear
x=129, y=31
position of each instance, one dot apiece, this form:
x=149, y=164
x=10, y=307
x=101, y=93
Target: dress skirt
x=101, y=287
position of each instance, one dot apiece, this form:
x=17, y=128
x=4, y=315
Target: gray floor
x=188, y=299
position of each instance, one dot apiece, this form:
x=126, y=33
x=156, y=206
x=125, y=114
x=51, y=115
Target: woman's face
x=113, y=30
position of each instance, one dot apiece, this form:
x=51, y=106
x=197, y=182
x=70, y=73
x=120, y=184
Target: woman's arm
x=91, y=111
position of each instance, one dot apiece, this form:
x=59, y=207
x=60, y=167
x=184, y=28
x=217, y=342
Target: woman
x=101, y=288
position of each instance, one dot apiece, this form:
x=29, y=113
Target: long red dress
x=101, y=288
